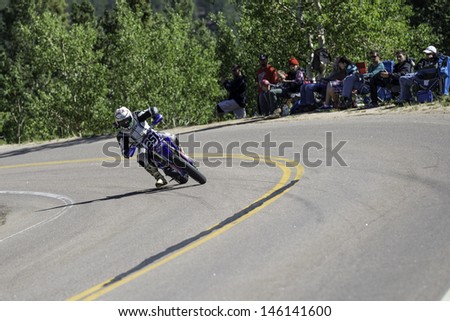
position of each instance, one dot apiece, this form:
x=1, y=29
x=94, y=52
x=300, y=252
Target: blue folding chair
x=433, y=82
x=385, y=94
x=445, y=75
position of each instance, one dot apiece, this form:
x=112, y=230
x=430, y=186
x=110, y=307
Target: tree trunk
x=320, y=35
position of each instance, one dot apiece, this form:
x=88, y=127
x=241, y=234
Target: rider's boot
x=160, y=180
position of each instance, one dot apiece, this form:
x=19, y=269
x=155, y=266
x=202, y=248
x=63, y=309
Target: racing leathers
x=131, y=138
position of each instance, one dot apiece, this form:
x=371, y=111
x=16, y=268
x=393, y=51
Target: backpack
x=321, y=56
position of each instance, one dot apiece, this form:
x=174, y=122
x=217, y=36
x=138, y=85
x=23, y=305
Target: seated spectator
x=294, y=78
x=359, y=82
x=288, y=85
x=431, y=61
x=334, y=87
x=389, y=80
x=237, y=97
x=267, y=72
x=307, y=100
x=268, y=100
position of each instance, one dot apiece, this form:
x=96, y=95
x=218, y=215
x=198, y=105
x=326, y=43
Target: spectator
x=346, y=68
x=431, y=61
x=307, y=101
x=267, y=72
x=237, y=98
x=389, y=80
x=294, y=79
x=268, y=98
x=359, y=82
x=288, y=85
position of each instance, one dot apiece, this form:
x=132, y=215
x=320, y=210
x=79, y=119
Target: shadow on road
x=194, y=239
x=119, y=196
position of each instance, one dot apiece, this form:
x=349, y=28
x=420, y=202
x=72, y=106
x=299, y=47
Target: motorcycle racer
x=133, y=130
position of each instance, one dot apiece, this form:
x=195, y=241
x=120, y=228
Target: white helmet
x=124, y=118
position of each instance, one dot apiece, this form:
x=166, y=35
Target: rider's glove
x=153, y=111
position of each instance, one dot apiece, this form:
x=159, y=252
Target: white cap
x=430, y=49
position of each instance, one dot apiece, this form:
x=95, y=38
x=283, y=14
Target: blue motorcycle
x=168, y=156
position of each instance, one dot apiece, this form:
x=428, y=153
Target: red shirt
x=269, y=73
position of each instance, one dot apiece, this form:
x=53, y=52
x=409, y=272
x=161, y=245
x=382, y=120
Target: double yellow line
x=268, y=198
x=51, y=163
x=284, y=184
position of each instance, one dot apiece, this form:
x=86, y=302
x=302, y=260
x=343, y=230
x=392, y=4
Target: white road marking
x=446, y=296
x=66, y=200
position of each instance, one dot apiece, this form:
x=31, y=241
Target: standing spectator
x=358, y=82
x=267, y=72
x=386, y=79
x=430, y=61
x=237, y=98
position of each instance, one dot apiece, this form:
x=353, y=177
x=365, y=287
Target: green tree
x=164, y=62
x=83, y=13
x=283, y=28
x=16, y=99
x=19, y=12
x=74, y=94
x=270, y=27
x=16, y=81
x=57, y=7
x=227, y=49
x=100, y=5
x=436, y=14
x=52, y=82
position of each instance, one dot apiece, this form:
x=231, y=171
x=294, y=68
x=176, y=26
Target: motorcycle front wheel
x=190, y=169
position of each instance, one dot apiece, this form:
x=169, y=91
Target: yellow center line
x=265, y=200
x=59, y=162
x=111, y=284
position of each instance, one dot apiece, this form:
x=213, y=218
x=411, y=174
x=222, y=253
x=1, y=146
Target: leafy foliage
x=162, y=62
x=57, y=81
x=67, y=65
x=60, y=80
x=435, y=14
x=285, y=28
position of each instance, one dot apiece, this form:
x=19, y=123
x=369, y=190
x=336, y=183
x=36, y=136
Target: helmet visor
x=124, y=123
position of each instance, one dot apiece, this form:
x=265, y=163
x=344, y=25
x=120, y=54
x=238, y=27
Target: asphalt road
x=365, y=216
